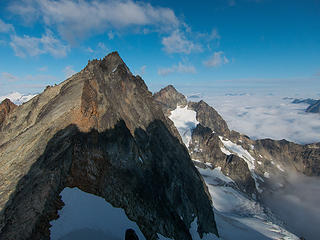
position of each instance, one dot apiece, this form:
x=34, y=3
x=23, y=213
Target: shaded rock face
x=304, y=158
x=209, y=117
x=206, y=147
x=314, y=108
x=6, y=106
x=169, y=98
x=102, y=132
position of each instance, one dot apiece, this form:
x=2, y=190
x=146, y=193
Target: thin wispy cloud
x=216, y=60
x=5, y=27
x=32, y=46
x=7, y=77
x=143, y=69
x=180, y=68
x=28, y=83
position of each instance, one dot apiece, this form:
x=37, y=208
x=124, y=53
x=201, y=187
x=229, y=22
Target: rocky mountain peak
x=169, y=98
x=111, y=63
x=100, y=131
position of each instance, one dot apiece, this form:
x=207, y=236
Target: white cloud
x=178, y=43
x=268, y=117
x=5, y=27
x=216, y=60
x=69, y=71
x=33, y=46
x=180, y=68
x=96, y=16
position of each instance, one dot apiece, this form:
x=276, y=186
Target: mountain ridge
x=101, y=131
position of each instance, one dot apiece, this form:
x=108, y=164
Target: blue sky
x=221, y=46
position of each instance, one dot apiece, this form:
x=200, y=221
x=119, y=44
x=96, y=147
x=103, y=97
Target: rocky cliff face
x=101, y=131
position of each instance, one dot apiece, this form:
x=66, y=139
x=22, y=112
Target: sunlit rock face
x=102, y=132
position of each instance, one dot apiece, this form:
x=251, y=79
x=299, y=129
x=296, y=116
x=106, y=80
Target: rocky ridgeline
x=250, y=163
x=100, y=131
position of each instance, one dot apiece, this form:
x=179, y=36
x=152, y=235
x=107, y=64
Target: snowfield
x=230, y=147
x=185, y=121
x=238, y=217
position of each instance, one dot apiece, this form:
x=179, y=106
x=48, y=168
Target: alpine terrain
x=101, y=132
x=240, y=173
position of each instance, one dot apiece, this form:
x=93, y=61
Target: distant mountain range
x=314, y=105
x=17, y=98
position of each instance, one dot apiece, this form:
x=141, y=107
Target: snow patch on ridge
x=245, y=155
x=215, y=175
x=185, y=121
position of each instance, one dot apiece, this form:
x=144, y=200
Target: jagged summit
x=169, y=98
x=101, y=131
x=109, y=64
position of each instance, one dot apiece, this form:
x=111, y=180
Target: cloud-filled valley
x=268, y=117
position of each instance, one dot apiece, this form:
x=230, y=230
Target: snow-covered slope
x=185, y=120
x=237, y=216
x=230, y=147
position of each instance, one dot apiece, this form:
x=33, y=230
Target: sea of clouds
x=267, y=117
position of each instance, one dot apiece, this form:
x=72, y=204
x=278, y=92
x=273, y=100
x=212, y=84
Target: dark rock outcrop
x=6, y=107
x=206, y=147
x=314, y=108
x=303, y=158
x=309, y=101
x=209, y=117
x=100, y=131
